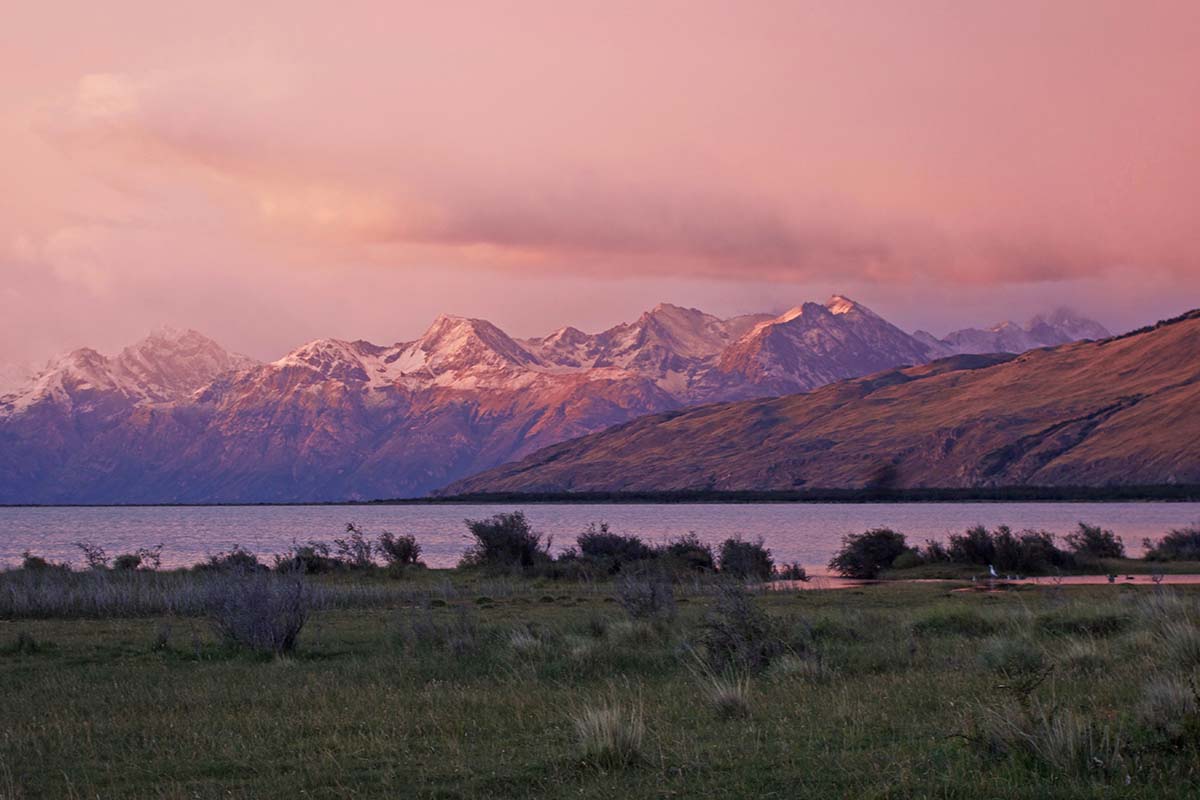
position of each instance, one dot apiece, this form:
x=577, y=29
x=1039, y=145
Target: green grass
x=883, y=695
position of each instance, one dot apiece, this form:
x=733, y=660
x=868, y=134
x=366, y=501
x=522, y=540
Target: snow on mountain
x=455, y=350
x=175, y=418
x=171, y=364
x=811, y=345
x=1050, y=330
x=14, y=376
x=168, y=365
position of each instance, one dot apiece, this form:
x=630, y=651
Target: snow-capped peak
x=453, y=346
x=840, y=304
x=792, y=313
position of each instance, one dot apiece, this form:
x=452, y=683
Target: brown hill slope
x=1124, y=410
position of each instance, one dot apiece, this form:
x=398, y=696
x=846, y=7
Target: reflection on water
x=805, y=533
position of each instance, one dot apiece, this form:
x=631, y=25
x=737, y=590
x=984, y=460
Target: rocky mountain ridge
x=1118, y=411
x=176, y=418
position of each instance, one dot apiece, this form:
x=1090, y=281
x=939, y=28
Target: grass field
x=450, y=685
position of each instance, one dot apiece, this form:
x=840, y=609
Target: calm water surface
x=807, y=533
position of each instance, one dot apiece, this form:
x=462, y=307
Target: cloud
x=431, y=148
x=237, y=129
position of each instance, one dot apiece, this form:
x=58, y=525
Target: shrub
x=93, y=555
x=142, y=558
x=1091, y=540
x=646, y=596
x=401, y=550
x=355, y=551
x=865, y=555
x=1181, y=544
x=505, y=540
x=312, y=558
x=36, y=563
x=610, y=734
x=791, y=572
x=237, y=559
x=738, y=635
x=1035, y=552
x=973, y=547
x=908, y=560
x=690, y=554
x=741, y=559
x=260, y=613
x=1026, y=552
x=934, y=551
x=612, y=550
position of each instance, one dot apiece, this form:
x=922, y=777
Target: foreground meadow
x=457, y=684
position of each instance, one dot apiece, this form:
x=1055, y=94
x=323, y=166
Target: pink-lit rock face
x=274, y=174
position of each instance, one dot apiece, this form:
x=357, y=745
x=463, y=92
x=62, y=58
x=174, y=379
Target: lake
x=808, y=533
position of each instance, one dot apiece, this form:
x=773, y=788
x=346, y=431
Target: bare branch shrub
x=261, y=613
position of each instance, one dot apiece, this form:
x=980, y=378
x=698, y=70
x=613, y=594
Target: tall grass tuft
x=1170, y=707
x=1181, y=642
x=610, y=733
x=1059, y=738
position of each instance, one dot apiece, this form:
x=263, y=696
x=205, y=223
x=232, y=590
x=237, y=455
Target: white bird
x=992, y=571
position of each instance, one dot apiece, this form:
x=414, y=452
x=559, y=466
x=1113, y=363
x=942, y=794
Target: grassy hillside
x=456, y=684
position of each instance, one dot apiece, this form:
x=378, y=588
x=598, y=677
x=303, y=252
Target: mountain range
x=176, y=418
x=1119, y=411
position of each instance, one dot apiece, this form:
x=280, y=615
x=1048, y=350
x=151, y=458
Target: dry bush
x=260, y=613
x=738, y=635
x=646, y=597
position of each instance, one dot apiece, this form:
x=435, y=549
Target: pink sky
x=353, y=169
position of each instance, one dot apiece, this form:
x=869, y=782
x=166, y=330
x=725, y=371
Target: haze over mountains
x=176, y=418
x=1120, y=411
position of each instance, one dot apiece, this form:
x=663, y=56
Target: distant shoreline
x=1017, y=494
